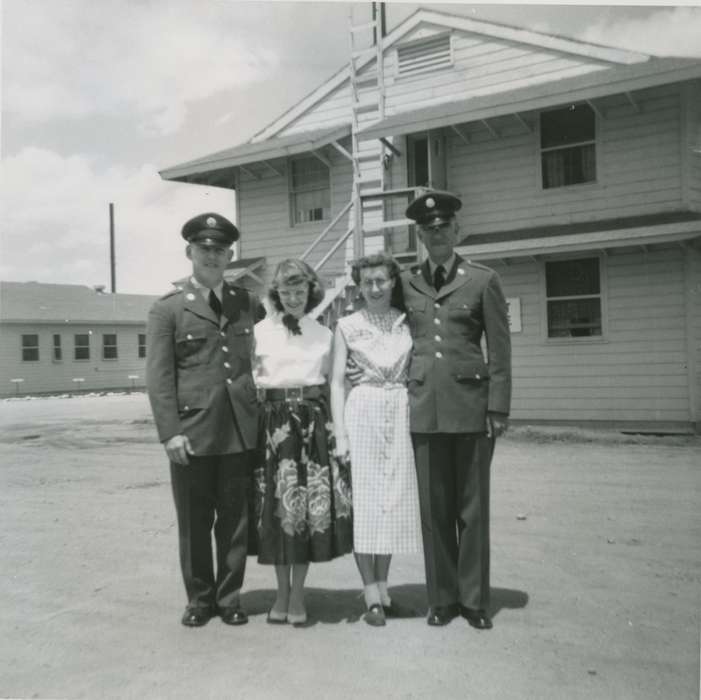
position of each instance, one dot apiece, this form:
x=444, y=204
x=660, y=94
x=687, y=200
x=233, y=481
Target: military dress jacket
x=198, y=369
x=451, y=386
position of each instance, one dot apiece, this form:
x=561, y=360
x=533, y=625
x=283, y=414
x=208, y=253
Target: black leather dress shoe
x=233, y=616
x=476, y=618
x=441, y=615
x=196, y=617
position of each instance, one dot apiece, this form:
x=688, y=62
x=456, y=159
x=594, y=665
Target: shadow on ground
x=347, y=605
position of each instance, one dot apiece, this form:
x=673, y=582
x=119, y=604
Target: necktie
x=214, y=303
x=438, y=278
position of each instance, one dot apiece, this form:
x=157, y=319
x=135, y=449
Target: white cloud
x=55, y=222
x=666, y=32
x=77, y=59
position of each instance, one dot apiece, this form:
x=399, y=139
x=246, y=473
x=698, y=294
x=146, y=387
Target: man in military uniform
x=459, y=404
x=198, y=376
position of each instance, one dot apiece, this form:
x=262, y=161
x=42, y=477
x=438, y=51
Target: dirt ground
x=596, y=565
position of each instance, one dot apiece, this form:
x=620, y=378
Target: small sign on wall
x=514, y=304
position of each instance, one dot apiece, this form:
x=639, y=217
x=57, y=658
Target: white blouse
x=284, y=360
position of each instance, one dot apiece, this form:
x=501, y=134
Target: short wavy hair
x=293, y=271
x=382, y=259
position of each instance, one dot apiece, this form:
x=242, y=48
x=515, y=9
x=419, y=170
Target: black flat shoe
x=441, y=615
x=375, y=616
x=233, y=616
x=196, y=617
x=476, y=618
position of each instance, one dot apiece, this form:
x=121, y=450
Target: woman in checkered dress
x=371, y=351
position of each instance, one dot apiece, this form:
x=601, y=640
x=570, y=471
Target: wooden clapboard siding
x=332, y=110
x=481, y=66
x=692, y=143
x=693, y=319
x=47, y=375
x=264, y=215
x=637, y=373
x=639, y=171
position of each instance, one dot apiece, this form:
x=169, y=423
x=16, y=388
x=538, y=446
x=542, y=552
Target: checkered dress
x=385, y=498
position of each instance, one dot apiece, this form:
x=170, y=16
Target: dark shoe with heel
x=375, y=616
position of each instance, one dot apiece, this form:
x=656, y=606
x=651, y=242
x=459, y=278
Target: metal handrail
x=322, y=235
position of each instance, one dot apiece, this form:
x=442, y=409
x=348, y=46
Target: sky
x=97, y=97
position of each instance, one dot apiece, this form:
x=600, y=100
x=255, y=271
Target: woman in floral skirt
x=302, y=493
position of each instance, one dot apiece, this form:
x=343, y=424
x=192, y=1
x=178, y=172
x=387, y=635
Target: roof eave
x=269, y=150
x=580, y=242
x=607, y=81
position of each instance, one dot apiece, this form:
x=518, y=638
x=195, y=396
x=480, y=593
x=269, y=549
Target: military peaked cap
x=210, y=229
x=434, y=206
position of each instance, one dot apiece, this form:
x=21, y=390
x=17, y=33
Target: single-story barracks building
x=579, y=167
x=67, y=337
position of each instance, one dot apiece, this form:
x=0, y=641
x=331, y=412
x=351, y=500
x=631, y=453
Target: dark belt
x=292, y=393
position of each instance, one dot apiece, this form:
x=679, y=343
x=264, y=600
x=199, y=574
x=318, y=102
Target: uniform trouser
x=208, y=488
x=453, y=480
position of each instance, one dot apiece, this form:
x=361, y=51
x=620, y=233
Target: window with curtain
x=568, y=146
x=573, y=291
x=310, y=190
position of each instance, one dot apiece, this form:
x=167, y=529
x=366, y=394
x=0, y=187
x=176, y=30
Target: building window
x=58, y=353
x=82, y=346
x=142, y=345
x=109, y=346
x=568, y=146
x=30, y=348
x=424, y=55
x=573, y=290
x=310, y=190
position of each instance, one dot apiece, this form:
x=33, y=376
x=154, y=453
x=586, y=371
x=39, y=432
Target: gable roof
x=266, y=145
x=35, y=302
x=448, y=21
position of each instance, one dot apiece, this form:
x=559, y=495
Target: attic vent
x=424, y=55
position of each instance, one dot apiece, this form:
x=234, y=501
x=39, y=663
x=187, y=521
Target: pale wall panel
x=638, y=373
x=47, y=375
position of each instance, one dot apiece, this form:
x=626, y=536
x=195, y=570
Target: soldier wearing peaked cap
x=204, y=403
x=459, y=404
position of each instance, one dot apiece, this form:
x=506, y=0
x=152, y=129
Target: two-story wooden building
x=68, y=337
x=579, y=167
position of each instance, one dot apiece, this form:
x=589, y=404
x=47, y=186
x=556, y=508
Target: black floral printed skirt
x=303, y=508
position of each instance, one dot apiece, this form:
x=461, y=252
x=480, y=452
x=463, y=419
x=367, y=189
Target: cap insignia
x=430, y=202
x=211, y=221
